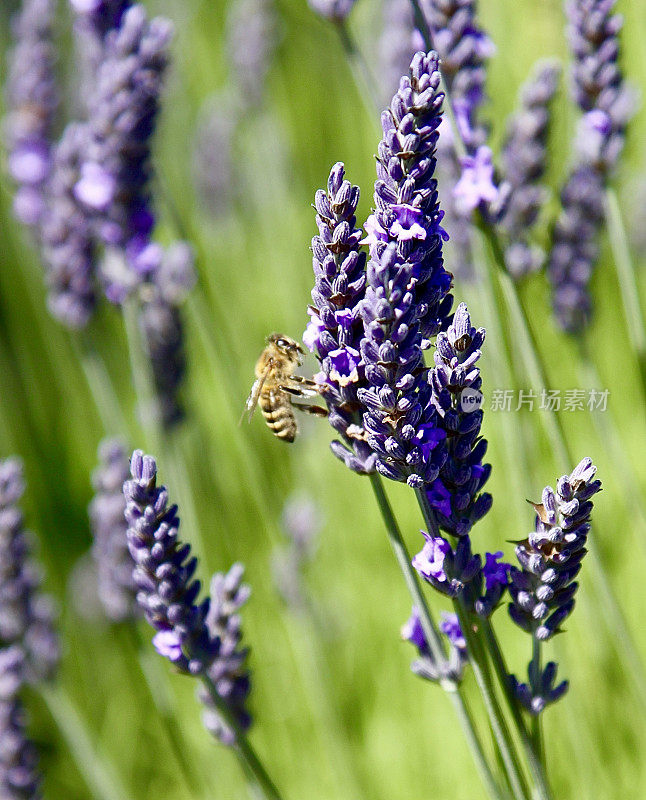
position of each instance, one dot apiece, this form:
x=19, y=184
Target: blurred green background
x=337, y=712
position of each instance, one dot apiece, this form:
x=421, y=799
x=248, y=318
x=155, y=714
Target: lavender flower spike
x=543, y=590
x=575, y=249
x=335, y=329
x=425, y=666
x=26, y=614
x=66, y=237
x=32, y=101
x=198, y=637
x=456, y=495
x=524, y=159
x=407, y=298
x=597, y=82
x=116, y=587
x=112, y=184
x=18, y=758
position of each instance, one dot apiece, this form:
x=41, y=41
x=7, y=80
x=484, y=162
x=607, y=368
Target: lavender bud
x=524, y=159
x=32, y=102
x=115, y=585
x=426, y=666
x=201, y=639
x=334, y=333
x=407, y=296
x=26, y=614
x=540, y=691
x=456, y=494
x=542, y=591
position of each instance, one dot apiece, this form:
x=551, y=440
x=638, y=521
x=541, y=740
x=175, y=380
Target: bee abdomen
x=279, y=417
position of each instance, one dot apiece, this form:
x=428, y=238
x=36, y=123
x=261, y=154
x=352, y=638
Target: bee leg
x=318, y=411
x=297, y=391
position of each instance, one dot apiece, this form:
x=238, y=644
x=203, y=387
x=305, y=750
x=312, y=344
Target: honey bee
x=276, y=385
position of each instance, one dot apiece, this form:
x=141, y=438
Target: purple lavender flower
x=66, y=236
x=476, y=183
x=447, y=570
x=200, y=639
x=26, y=614
x=19, y=779
x=101, y=16
x=597, y=81
x=334, y=10
x=407, y=298
x=540, y=691
x=456, y=495
x=426, y=666
x=335, y=329
x=575, y=249
x=115, y=584
x=32, y=101
x=524, y=159
x=112, y=184
x=543, y=590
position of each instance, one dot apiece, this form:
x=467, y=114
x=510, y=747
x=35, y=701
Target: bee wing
x=254, y=394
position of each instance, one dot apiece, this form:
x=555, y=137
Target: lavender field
x=430, y=585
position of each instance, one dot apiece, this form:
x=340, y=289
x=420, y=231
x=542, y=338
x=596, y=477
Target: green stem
x=99, y=383
x=158, y=689
x=98, y=773
x=433, y=638
x=502, y=673
x=359, y=67
x=147, y=405
x=537, y=730
x=627, y=281
x=242, y=745
x=478, y=661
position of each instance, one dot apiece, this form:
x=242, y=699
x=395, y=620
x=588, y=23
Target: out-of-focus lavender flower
x=407, y=298
x=426, y=666
x=252, y=34
x=32, y=101
x=115, y=585
x=200, y=639
x=26, y=614
x=597, y=81
x=101, y=16
x=228, y=672
x=524, y=158
x=540, y=691
x=335, y=10
x=543, y=590
x=301, y=520
x=112, y=184
x=66, y=236
x=464, y=50
x=397, y=44
x=213, y=153
x=456, y=495
x=335, y=329
x=574, y=248
x=475, y=185
x=19, y=778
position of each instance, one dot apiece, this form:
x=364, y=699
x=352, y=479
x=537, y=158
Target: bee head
x=286, y=345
